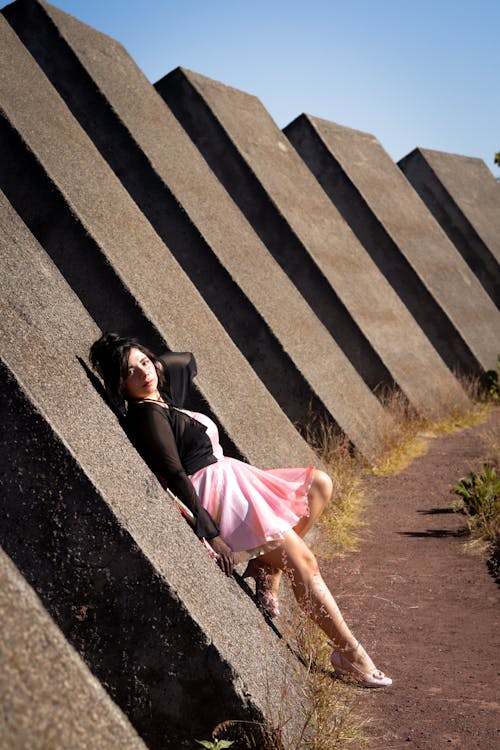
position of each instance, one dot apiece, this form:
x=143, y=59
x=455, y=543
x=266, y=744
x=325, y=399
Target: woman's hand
x=225, y=553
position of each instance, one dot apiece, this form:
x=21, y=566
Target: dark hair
x=109, y=357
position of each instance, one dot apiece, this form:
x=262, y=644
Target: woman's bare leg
x=296, y=559
x=318, y=497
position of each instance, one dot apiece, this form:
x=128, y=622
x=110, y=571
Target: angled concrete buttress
x=403, y=238
x=268, y=319
x=119, y=267
x=464, y=197
x=311, y=241
x=50, y=700
x=177, y=644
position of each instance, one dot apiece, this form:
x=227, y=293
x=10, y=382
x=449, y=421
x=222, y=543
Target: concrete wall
x=50, y=700
x=464, y=197
x=267, y=318
x=308, y=237
x=405, y=241
x=114, y=260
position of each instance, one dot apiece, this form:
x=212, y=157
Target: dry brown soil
x=428, y=613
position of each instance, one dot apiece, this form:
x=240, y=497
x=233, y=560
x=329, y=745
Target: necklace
x=152, y=400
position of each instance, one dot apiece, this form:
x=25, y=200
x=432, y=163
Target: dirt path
x=429, y=613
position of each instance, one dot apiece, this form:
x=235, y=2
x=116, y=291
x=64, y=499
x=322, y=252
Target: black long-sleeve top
x=173, y=444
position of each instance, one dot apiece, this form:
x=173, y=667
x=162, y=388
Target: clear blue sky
x=412, y=72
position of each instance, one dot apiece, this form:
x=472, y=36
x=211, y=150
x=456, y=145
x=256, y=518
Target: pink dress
x=252, y=507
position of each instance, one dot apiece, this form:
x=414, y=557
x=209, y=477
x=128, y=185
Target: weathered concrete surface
x=50, y=700
x=306, y=234
x=403, y=238
x=464, y=197
x=119, y=267
x=177, y=644
x=267, y=318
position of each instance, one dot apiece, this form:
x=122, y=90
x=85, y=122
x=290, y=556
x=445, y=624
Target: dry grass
x=407, y=439
x=343, y=517
x=328, y=718
x=491, y=443
x=409, y=433
x=333, y=718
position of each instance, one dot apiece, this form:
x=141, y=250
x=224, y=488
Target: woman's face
x=142, y=378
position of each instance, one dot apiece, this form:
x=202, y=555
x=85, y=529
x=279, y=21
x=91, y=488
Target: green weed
x=479, y=494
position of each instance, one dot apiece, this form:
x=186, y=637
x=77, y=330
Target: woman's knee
x=323, y=485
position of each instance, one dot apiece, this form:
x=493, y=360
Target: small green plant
x=492, y=383
x=250, y=735
x=479, y=494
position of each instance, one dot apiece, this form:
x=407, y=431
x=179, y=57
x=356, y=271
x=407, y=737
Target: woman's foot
x=266, y=586
x=355, y=662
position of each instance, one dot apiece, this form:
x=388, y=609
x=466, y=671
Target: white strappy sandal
x=343, y=667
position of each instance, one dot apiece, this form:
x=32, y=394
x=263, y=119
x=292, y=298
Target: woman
x=237, y=508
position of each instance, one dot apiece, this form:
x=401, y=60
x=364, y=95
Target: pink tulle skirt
x=253, y=507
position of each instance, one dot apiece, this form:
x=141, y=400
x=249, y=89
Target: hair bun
x=104, y=351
